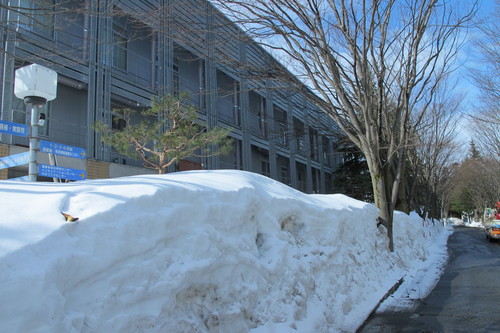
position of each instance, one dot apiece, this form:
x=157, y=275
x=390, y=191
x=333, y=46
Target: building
x=110, y=54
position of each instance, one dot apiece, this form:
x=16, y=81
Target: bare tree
x=486, y=120
x=476, y=184
x=435, y=151
x=374, y=65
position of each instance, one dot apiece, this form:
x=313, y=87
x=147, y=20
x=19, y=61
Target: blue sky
x=469, y=54
x=469, y=59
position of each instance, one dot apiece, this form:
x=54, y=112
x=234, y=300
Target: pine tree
x=474, y=153
x=164, y=134
x=352, y=177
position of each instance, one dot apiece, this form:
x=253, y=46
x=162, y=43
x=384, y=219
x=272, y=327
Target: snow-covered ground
x=469, y=224
x=474, y=224
x=201, y=251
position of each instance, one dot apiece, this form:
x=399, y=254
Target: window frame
x=32, y=17
x=119, y=59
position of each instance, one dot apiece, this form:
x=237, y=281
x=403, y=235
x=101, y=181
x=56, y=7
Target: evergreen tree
x=352, y=177
x=474, y=153
x=164, y=134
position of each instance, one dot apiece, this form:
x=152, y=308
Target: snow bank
x=423, y=273
x=474, y=224
x=455, y=221
x=210, y=251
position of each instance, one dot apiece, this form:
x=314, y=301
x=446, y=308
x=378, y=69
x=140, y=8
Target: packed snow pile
x=200, y=251
x=474, y=224
x=455, y=221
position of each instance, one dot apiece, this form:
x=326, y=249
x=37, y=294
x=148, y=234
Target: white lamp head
x=35, y=81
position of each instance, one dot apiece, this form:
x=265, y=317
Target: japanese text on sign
x=60, y=149
x=61, y=172
x=13, y=128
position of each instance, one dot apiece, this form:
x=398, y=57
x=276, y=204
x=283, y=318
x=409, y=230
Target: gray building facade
x=111, y=54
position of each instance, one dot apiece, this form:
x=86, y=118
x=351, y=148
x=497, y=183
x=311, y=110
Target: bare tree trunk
x=383, y=202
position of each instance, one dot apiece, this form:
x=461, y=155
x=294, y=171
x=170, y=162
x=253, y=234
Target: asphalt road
x=466, y=298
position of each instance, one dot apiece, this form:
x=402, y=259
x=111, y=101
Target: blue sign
x=53, y=171
x=13, y=128
x=60, y=149
x=14, y=160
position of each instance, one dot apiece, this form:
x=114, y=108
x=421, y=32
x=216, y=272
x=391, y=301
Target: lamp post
x=36, y=85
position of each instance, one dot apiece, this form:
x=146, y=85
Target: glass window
x=258, y=116
x=263, y=118
x=176, y=84
x=281, y=126
x=228, y=98
x=118, y=123
x=37, y=16
x=265, y=168
x=313, y=142
x=25, y=14
x=201, y=80
x=189, y=76
x=119, y=48
x=299, y=134
x=326, y=150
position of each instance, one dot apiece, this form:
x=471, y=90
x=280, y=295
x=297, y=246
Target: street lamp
x=36, y=85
